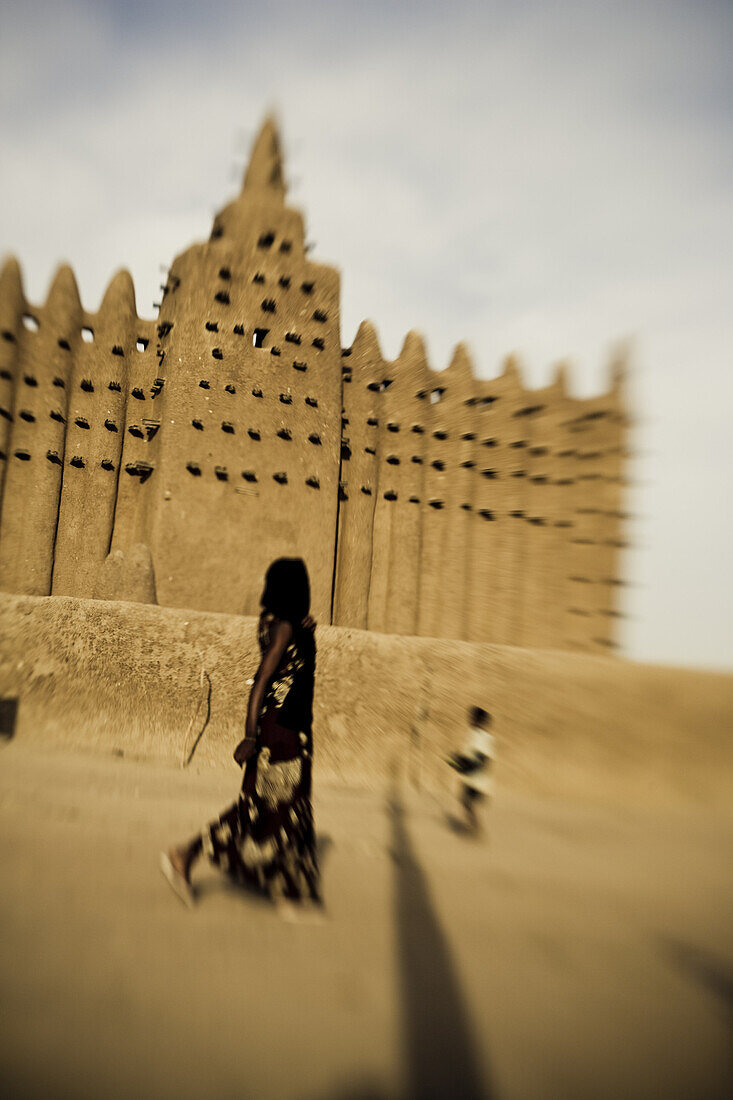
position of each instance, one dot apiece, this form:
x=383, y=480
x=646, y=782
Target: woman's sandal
x=181, y=888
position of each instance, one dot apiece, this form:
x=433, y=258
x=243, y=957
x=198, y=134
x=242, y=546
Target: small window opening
x=141, y=343
x=373, y=422
x=286, y=398
x=486, y=513
x=136, y=431
x=249, y=475
x=77, y=461
x=138, y=394
x=59, y=416
x=307, y=288
x=468, y=465
x=345, y=450
x=107, y=464
x=217, y=353
x=257, y=393
x=414, y=500
x=393, y=460
x=258, y=277
x=268, y=305
x=110, y=425
x=284, y=281
x=345, y=353
x=258, y=337
x=281, y=478
x=285, y=433
x=438, y=464
x=266, y=240
x=343, y=495
x=418, y=429
x=198, y=425
x=320, y=315
x=285, y=246
x=64, y=344
x=157, y=386
x=292, y=337
x=212, y=326
x=30, y=380
x=315, y=439
x=224, y=273
x=116, y=387
x=216, y=232
x=9, y=336
x=254, y=434
x=440, y=435
x=222, y=473
x=366, y=490
x=298, y=365
x=6, y=414
x=6, y=375
x=31, y=322
x=204, y=384
x=313, y=482
x=164, y=328
x=239, y=330
x=87, y=385
x=312, y=402
x=29, y=417
x=274, y=351
x=319, y=343
x=467, y=507
x=393, y=427
x=222, y=296
x=370, y=450
x=417, y=460
x=493, y=474
x=193, y=468
x=227, y=426
x=87, y=334
x=230, y=388
x=82, y=422
x=390, y=495
x=53, y=456
x=117, y=350
x=437, y=504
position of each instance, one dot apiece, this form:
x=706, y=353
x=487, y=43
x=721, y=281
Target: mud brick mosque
x=235, y=428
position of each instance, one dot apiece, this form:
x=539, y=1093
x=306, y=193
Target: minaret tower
x=246, y=460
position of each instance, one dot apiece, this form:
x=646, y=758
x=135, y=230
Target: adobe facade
x=235, y=428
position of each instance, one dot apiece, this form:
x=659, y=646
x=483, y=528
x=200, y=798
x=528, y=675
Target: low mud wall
x=166, y=684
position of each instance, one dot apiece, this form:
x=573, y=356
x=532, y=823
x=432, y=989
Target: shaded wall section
x=129, y=677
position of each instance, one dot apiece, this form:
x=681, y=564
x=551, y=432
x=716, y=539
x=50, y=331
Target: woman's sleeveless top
x=290, y=691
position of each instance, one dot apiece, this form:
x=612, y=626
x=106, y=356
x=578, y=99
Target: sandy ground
x=576, y=952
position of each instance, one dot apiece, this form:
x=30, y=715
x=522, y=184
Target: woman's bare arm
x=268, y=667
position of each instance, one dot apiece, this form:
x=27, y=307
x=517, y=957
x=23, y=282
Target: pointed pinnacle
x=119, y=297
x=366, y=342
x=265, y=169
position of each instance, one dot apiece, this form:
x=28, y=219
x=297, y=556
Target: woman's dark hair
x=287, y=591
x=480, y=717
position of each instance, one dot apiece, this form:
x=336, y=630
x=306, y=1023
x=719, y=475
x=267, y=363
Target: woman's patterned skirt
x=266, y=839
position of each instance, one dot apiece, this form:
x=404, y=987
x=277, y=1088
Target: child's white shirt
x=480, y=746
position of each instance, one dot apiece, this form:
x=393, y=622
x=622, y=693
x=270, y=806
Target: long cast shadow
x=442, y=1059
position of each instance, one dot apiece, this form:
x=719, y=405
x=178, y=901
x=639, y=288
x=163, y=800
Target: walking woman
x=266, y=839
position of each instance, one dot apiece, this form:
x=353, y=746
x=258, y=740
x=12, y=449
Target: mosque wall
x=234, y=429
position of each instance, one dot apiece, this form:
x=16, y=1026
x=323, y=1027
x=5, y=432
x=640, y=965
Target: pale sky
x=543, y=178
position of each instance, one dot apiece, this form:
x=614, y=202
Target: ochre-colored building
x=236, y=429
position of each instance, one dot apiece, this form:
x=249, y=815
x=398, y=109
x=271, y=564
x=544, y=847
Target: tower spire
x=265, y=169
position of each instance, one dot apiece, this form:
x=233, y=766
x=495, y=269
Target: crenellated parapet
x=191, y=450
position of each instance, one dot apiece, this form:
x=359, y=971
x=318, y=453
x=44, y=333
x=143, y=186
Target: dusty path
x=580, y=953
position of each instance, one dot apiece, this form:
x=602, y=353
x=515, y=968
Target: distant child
x=473, y=764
